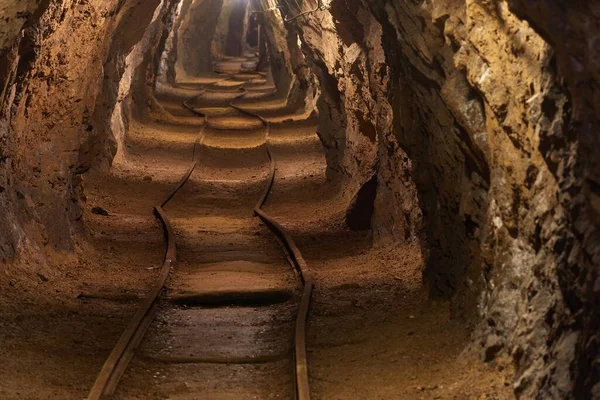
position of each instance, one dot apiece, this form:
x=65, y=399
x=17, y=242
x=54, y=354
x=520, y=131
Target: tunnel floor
x=224, y=329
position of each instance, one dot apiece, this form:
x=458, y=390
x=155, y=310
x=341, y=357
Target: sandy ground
x=224, y=329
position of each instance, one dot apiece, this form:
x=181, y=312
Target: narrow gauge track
x=124, y=350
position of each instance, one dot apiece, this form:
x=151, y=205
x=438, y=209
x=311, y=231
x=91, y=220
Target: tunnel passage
x=253, y=31
x=235, y=30
x=404, y=152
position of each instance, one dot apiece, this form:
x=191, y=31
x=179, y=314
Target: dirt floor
x=224, y=329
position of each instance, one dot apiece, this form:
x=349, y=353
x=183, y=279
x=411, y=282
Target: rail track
x=124, y=350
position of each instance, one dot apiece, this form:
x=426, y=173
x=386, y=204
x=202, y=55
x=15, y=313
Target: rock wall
x=291, y=73
x=481, y=93
x=166, y=51
x=343, y=47
x=478, y=120
x=16, y=15
x=573, y=240
x=65, y=65
x=129, y=70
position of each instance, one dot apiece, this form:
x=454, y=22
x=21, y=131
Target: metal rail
x=115, y=365
x=293, y=253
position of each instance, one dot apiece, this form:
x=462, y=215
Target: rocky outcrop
x=480, y=82
x=573, y=240
x=166, y=50
x=49, y=96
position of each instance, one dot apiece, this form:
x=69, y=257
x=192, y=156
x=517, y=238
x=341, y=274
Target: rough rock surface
x=483, y=114
x=65, y=77
x=291, y=74
x=16, y=15
x=48, y=90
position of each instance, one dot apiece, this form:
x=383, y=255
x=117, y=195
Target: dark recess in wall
x=358, y=216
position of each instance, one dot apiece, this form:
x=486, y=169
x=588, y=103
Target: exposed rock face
x=572, y=156
x=356, y=116
x=130, y=61
x=483, y=114
x=292, y=76
x=48, y=90
x=166, y=50
x=75, y=58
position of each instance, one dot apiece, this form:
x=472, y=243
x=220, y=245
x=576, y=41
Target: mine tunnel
x=296, y=199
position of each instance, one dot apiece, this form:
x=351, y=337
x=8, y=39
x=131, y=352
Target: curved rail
x=295, y=256
x=115, y=365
